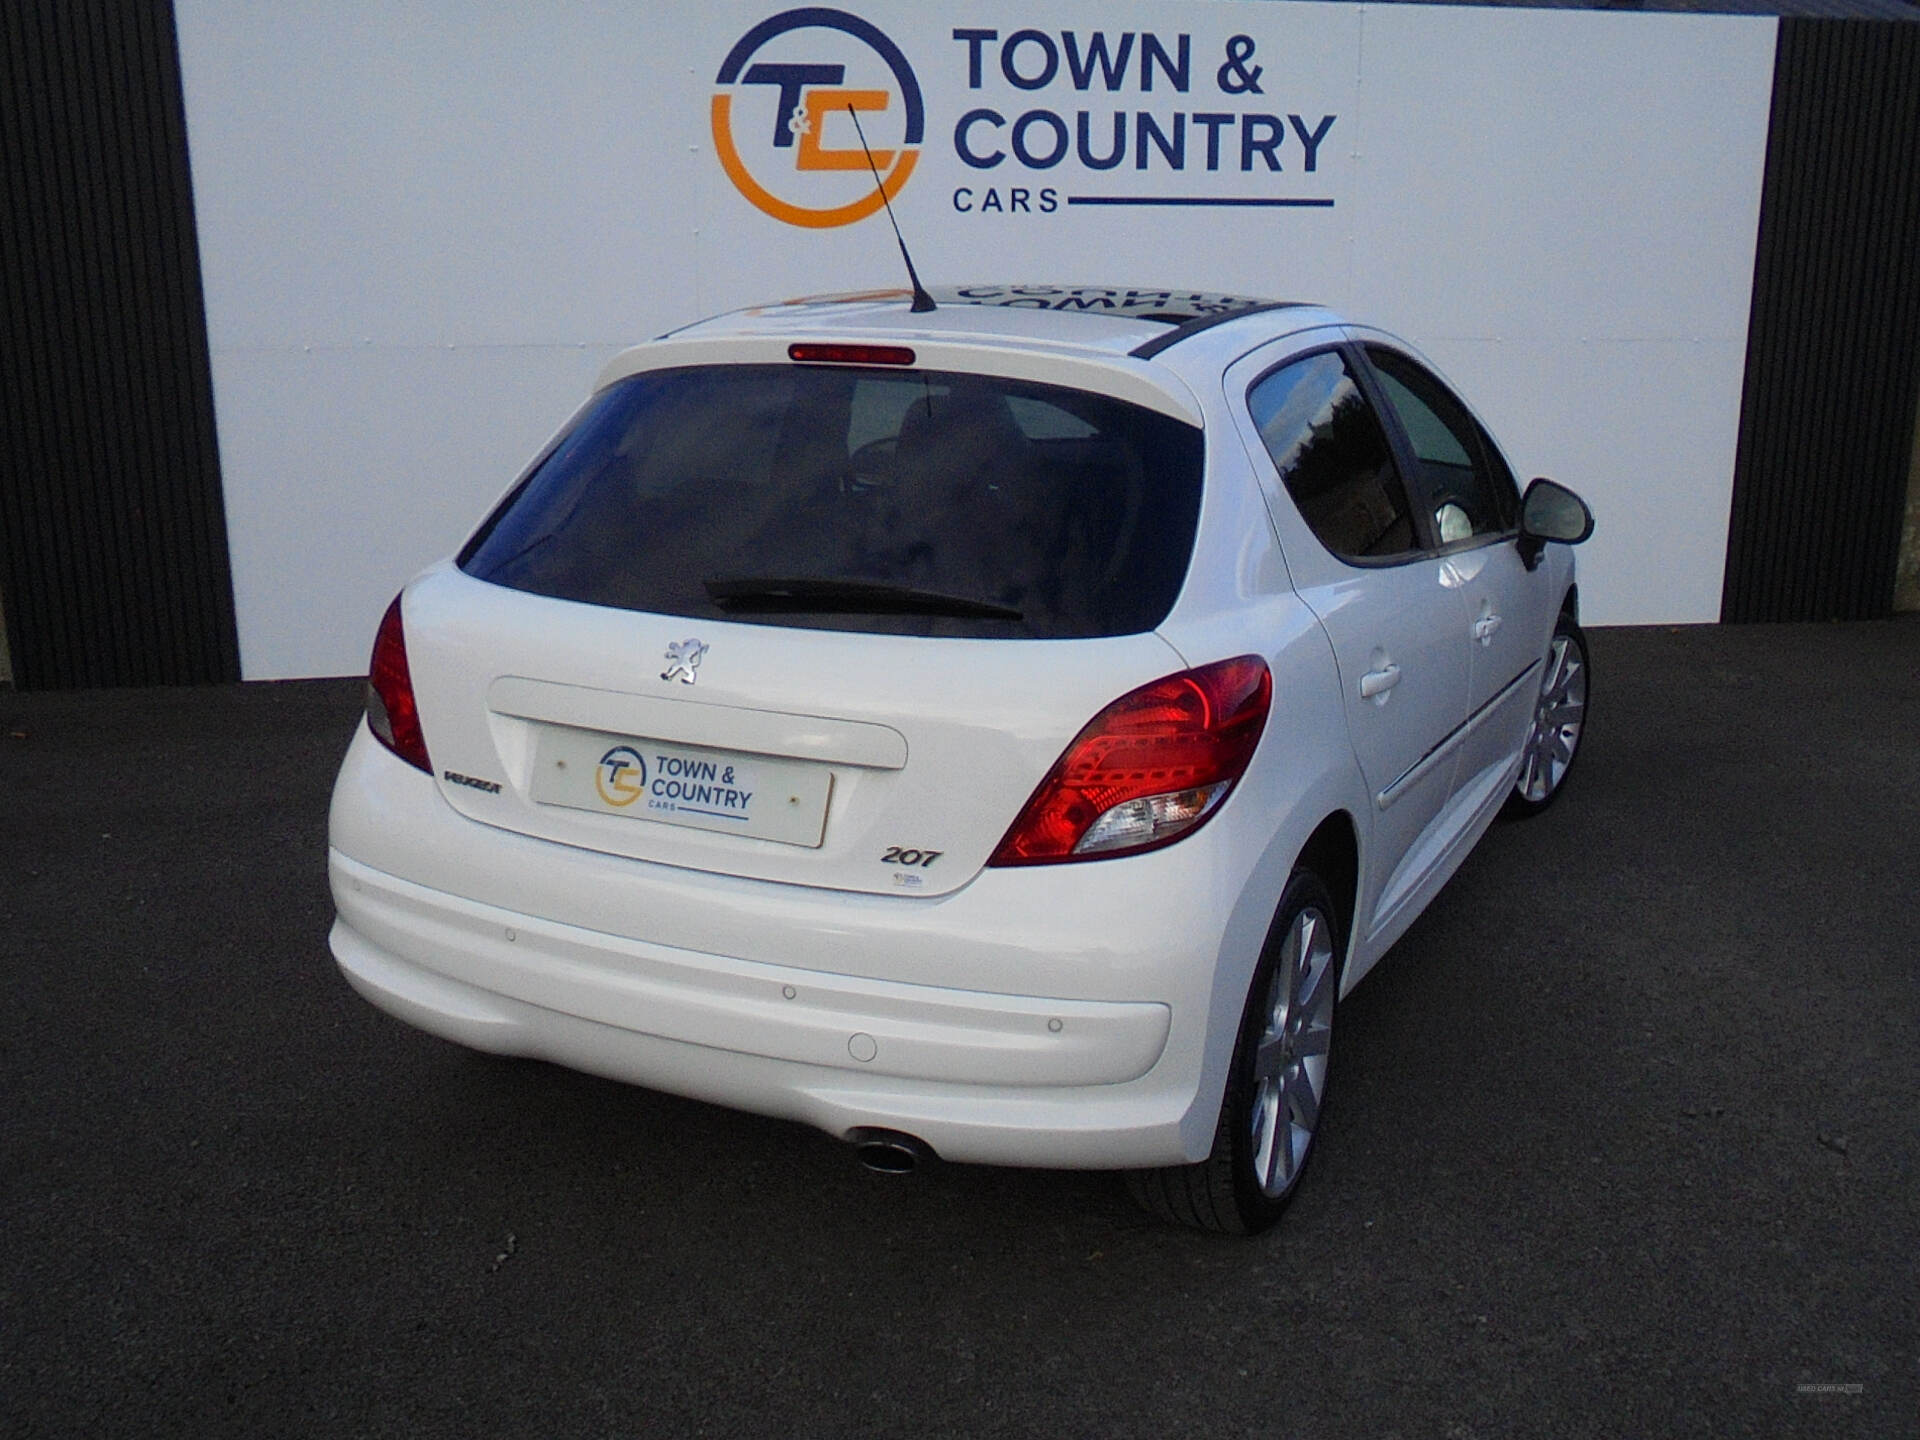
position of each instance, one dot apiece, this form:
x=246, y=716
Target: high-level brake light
x=809, y=353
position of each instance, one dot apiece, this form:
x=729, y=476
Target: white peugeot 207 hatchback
x=999, y=733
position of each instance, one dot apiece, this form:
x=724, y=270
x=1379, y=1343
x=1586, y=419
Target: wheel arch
x=1213, y=1190
x=1333, y=853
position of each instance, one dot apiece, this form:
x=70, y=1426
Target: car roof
x=1137, y=320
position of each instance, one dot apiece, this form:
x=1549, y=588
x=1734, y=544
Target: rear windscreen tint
x=1075, y=509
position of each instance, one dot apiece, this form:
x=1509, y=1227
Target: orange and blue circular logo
x=621, y=776
x=790, y=107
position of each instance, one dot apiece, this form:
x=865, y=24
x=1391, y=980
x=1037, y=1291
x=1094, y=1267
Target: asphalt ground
x=1622, y=1140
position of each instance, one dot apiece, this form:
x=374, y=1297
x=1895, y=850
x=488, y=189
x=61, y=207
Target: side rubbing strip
x=1440, y=752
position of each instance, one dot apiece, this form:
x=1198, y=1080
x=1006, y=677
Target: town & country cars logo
x=621, y=776
x=781, y=121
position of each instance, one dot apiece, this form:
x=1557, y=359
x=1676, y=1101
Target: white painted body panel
x=932, y=744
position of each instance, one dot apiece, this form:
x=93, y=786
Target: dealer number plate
x=687, y=785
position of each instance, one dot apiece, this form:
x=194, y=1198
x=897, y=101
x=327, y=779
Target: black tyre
x=1277, y=1087
x=1559, y=721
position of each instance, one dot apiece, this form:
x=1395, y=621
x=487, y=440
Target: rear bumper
x=1032, y=1017
x=1002, y=1079
x=835, y=1022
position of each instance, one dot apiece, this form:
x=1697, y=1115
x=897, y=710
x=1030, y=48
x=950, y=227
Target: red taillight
x=1148, y=769
x=391, y=713
x=820, y=354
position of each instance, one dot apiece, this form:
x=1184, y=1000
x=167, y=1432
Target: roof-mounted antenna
x=922, y=301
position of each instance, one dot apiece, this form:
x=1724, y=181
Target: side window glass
x=1332, y=456
x=1505, y=491
x=1466, y=494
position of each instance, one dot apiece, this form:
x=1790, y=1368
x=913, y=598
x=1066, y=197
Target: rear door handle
x=1375, y=683
x=1484, y=627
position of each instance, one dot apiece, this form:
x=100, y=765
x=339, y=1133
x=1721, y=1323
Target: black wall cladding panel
x=1833, y=344
x=113, y=545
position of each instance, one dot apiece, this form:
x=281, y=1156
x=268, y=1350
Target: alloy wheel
x=1558, y=716
x=1290, y=1062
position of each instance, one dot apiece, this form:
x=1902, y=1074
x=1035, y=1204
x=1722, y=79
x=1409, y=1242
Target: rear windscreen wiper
x=773, y=594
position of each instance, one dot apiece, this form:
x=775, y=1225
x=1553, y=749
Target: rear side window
x=1332, y=455
x=1469, y=493
x=1073, y=512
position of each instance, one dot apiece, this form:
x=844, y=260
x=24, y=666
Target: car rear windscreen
x=893, y=501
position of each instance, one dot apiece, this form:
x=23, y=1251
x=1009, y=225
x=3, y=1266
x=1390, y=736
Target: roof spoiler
x=1188, y=328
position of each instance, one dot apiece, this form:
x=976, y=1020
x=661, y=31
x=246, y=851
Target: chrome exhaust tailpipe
x=889, y=1152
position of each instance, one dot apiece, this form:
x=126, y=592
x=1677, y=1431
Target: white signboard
x=424, y=228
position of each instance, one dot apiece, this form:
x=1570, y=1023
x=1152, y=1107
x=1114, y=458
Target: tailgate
x=852, y=761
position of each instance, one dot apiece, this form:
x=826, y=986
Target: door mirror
x=1551, y=512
